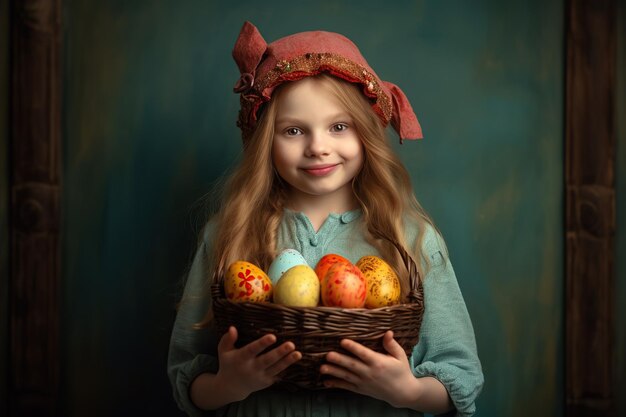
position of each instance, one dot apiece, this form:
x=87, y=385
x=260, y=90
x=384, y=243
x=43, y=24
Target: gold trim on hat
x=308, y=65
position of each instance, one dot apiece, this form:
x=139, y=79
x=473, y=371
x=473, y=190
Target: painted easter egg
x=298, y=287
x=284, y=261
x=343, y=285
x=324, y=264
x=245, y=282
x=383, y=285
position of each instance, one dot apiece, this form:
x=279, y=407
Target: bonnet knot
x=244, y=83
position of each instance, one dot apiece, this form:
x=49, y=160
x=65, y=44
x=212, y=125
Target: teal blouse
x=446, y=348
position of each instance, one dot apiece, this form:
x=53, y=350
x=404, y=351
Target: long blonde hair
x=248, y=218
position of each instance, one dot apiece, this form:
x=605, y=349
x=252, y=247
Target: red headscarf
x=263, y=67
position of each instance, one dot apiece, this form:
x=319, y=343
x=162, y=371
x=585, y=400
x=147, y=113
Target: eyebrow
x=295, y=120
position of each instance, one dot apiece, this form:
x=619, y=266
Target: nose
x=318, y=144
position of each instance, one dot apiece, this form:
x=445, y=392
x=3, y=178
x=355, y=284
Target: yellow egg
x=299, y=286
x=245, y=282
x=383, y=285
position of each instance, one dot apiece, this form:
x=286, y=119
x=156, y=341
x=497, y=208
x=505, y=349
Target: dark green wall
x=149, y=125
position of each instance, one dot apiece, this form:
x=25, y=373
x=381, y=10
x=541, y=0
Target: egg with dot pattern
x=285, y=260
x=326, y=261
x=383, y=285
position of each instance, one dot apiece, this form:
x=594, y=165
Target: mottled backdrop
x=149, y=126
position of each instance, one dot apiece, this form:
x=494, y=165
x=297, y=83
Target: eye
x=293, y=131
x=339, y=127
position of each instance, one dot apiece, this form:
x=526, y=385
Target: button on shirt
x=446, y=349
x=335, y=235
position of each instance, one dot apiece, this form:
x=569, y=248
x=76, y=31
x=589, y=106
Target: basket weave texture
x=315, y=331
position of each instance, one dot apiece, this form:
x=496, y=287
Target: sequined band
x=307, y=65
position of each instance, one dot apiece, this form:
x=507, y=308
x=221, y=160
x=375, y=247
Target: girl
x=318, y=175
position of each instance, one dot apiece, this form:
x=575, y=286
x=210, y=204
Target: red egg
x=324, y=264
x=344, y=286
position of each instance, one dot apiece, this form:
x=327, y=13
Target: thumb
x=393, y=347
x=227, y=342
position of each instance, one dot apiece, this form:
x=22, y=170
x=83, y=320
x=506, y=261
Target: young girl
x=318, y=175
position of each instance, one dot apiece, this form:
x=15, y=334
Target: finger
x=284, y=363
x=340, y=373
x=355, y=365
x=259, y=345
x=392, y=346
x=270, y=358
x=341, y=384
x=366, y=355
x=227, y=342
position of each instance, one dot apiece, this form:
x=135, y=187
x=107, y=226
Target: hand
x=387, y=377
x=245, y=370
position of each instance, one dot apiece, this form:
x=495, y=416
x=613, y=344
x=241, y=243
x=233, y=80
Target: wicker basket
x=315, y=331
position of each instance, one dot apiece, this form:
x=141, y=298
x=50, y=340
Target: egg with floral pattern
x=246, y=282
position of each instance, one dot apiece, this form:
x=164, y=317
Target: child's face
x=316, y=148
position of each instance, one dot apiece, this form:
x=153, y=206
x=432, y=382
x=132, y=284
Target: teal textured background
x=149, y=125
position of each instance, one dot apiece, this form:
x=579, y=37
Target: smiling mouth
x=321, y=170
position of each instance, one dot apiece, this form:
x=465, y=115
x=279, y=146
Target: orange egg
x=324, y=264
x=383, y=285
x=246, y=282
x=343, y=286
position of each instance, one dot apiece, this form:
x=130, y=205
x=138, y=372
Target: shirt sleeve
x=447, y=347
x=192, y=351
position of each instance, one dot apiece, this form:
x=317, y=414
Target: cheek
x=281, y=158
x=355, y=153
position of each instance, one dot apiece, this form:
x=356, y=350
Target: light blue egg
x=285, y=260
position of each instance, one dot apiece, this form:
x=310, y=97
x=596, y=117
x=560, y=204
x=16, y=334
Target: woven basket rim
x=218, y=294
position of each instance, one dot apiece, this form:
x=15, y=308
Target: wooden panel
x=590, y=207
x=35, y=154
